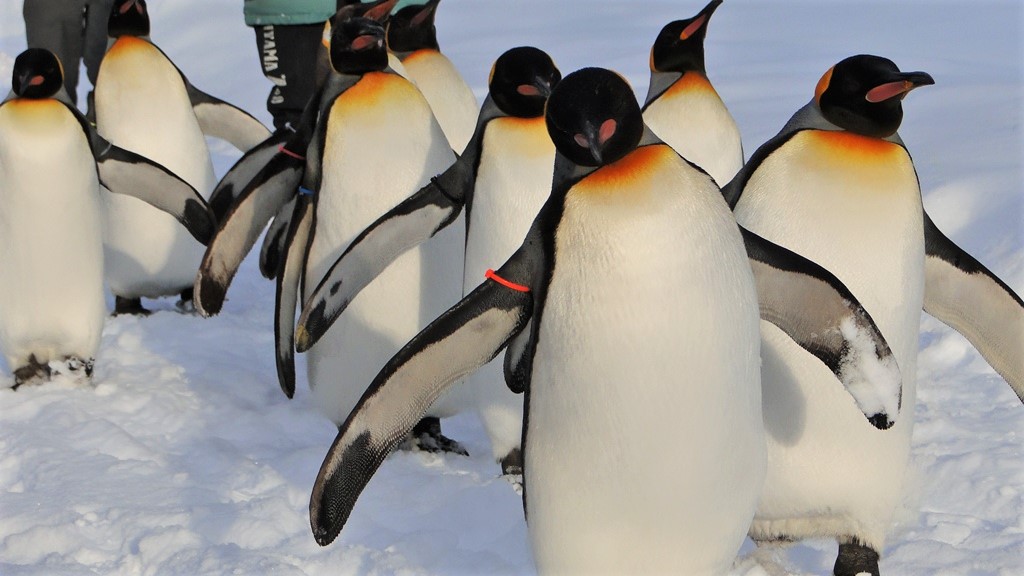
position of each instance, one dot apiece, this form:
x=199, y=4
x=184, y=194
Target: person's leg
x=57, y=26
x=288, y=57
x=97, y=12
x=96, y=16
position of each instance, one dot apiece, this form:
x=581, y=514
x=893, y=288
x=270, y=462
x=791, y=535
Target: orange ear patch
x=633, y=172
x=823, y=84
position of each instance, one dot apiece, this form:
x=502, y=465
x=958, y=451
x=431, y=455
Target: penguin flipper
x=467, y=336
x=125, y=172
x=518, y=365
x=818, y=312
x=270, y=189
x=243, y=171
x=274, y=241
x=221, y=120
x=412, y=222
x=964, y=294
x=289, y=272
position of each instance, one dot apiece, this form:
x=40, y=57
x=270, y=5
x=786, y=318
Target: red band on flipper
x=491, y=275
x=288, y=152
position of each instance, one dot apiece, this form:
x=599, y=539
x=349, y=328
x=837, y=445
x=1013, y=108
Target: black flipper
x=461, y=340
x=407, y=225
x=289, y=274
x=221, y=120
x=273, y=249
x=818, y=312
x=125, y=172
x=274, y=186
x=964, y=294
x=243, y=171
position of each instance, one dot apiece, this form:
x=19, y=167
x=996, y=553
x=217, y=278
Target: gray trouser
x=71, y=29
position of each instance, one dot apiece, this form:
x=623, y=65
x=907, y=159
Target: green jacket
x=260, y=12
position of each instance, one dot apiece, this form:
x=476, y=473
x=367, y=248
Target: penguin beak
x=906, y=82
x=596, y=137
x=539, y=87
x=700, y=20
x=365, y=41
x=380, y=12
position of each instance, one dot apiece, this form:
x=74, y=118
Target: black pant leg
x=288, y=57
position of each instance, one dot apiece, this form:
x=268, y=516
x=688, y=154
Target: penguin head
x=680, y=44
x=37, y=74
x=357, y=46
x=593, y=117
x=378, y=10
x=864, y=94
x=521, y=81
x=128, y=18
x=412, y=28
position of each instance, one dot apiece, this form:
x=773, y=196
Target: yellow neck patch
x=691, y=83
x=422, y=53
x=853, y=148
x=633, y=173
x=375, y=87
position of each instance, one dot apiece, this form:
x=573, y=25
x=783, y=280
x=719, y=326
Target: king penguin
x=375, y=141
x=412, y=37
x=620, y=340
x=838, y=186
x=502, y=179
x=52, y=166
x=145, y=104
x=683, y=108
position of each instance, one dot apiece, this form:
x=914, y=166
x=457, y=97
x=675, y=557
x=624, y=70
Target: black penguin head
x=357, y=46
x=412, y=28
x=128, y=18
x=37, y=74
x=864, y=94
x=593, y=117
x=521, y=81
x=379, y=11
x=680, y=44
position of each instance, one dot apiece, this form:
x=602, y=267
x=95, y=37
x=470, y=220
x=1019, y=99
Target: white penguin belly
x=513, y=181
x=645, y=446
x=382, y=145
x=142, y=105
x=852, y=205
x=691, y=118
x=51, y=263
x=450, y=98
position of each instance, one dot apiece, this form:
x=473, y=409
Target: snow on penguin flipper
x=820, y=314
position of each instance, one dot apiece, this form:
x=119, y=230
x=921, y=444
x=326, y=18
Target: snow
x=185, y=458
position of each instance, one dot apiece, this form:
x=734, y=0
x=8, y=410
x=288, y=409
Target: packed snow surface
x=185, y=458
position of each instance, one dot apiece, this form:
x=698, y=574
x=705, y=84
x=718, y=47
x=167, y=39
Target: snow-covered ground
x=185, y=458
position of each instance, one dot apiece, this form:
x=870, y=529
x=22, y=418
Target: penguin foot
x=187, y=304
x=32, y=374
x=855, y=558
x=512, y=463
x=73, y=367
x=131, y=306
x=426, y=436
